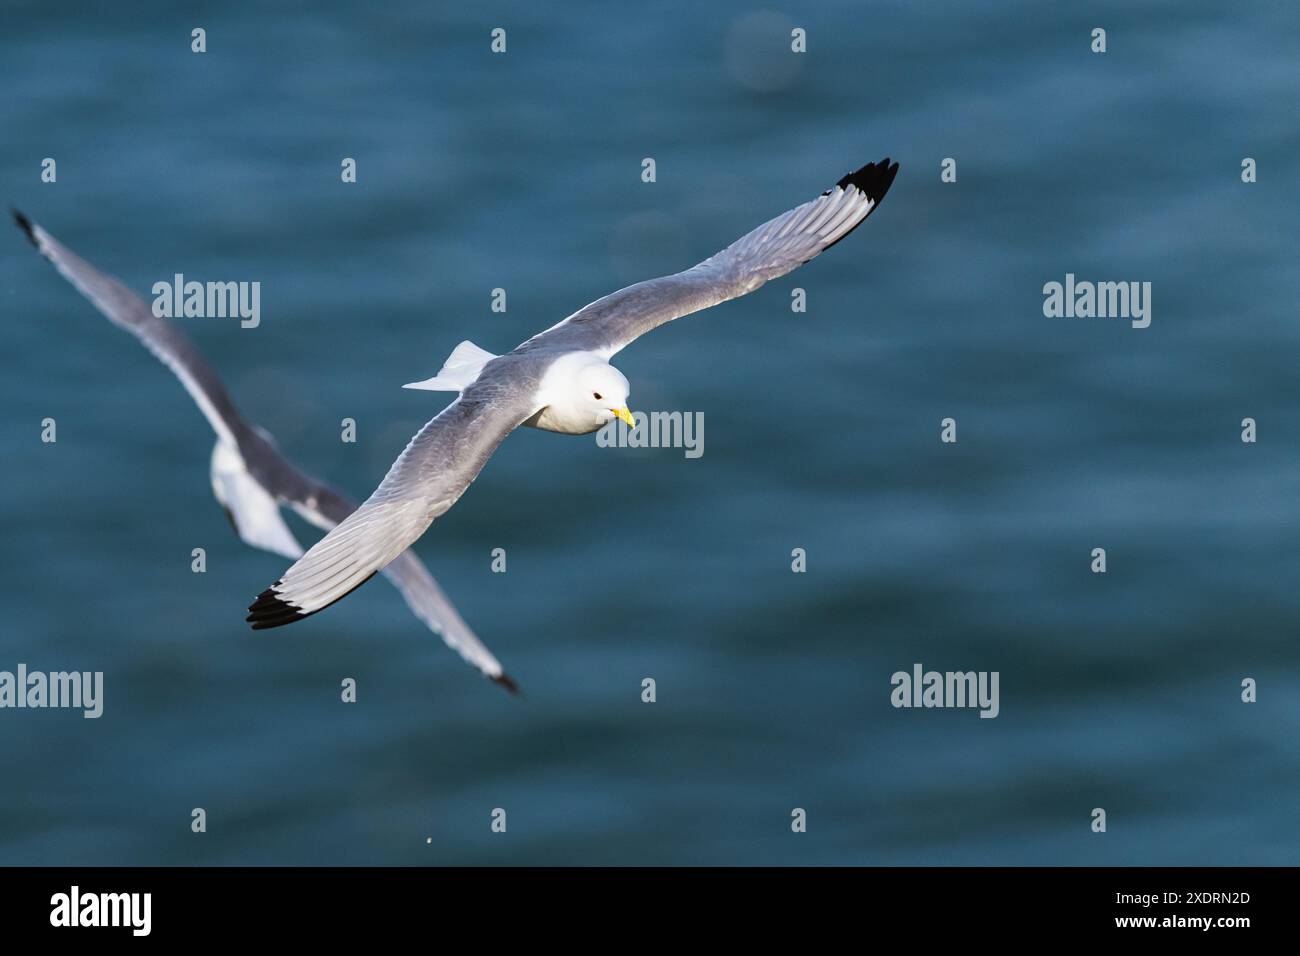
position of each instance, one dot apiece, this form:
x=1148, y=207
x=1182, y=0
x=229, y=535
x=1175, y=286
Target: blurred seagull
x=559, y=380
x=251, y=477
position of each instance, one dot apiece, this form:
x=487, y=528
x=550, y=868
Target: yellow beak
x=625, y=415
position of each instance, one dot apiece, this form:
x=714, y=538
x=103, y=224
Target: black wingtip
x=874, y=179
x=25, y=225
x=270, y=610
x=505, y=681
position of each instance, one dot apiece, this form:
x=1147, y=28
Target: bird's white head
x=583, y=393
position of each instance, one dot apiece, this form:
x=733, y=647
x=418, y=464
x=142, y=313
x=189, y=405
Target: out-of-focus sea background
x=522, y=171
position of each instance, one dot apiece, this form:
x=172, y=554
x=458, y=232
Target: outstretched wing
x=427, y=601
x=773, y=249
x=172, y=346
x=253, y=502
x=426, y=480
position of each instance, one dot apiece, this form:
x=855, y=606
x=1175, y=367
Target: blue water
x=522, y=171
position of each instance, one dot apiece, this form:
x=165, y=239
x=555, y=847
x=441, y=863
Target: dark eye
x=596, y=395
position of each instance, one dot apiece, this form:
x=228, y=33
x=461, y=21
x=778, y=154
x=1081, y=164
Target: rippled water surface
x=522, y=171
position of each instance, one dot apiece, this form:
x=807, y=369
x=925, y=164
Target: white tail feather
x=459, y=371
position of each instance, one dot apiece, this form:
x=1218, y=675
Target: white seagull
x=559, y=380
x=251, y=477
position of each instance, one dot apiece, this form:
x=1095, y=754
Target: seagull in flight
x=251, y=477
x=560, y=380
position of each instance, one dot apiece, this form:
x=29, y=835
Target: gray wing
x=250, y=478
x=426, y=480
x=252, y=497
x=423, y=596
x=126, y=309
x=773, y=249
x=431, y=605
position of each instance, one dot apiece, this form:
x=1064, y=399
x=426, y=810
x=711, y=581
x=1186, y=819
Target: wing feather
x=253, y=510
x=426, y=479
x=165, y=340
x=773, y=249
